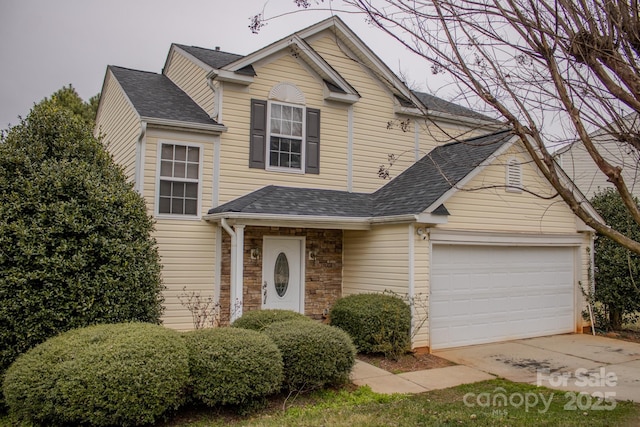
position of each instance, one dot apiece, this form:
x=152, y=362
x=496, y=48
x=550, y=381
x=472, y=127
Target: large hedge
x=232, y=365
x=377, y=323
x=122, y=374
x=75, y=237
x=314, y=354
x=617, y=269
x=257, y=320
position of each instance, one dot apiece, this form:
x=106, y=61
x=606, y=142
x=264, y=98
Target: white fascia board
x=456, y=119
x=325, y=70
x=345, y=98
x=409, y=111
x=259, y=54
x=371, y=60
x=504, y=239
x=464, y=181
x=180, y=125
x=304, y=221
x=231, y=77
x=423, y=218
x=306, y=54
x=323, y=222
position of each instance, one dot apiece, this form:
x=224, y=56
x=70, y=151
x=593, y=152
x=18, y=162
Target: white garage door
x=482, y=294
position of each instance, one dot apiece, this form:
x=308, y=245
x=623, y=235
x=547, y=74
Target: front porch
x=320, y=263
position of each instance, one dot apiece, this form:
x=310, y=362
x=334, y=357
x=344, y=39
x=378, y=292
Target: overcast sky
x=47, y=44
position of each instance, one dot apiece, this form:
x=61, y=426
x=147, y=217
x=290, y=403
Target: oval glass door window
x=281, y=274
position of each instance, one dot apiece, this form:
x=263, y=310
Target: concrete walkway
x=385, y=382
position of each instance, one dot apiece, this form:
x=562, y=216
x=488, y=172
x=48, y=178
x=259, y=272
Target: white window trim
x=510, y=186
x=198, y=215
x=303, y=148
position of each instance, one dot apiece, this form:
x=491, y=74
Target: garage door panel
x=484, y=294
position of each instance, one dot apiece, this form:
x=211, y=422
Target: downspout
x=215, y=114
x=140, y=149
x=236, y=279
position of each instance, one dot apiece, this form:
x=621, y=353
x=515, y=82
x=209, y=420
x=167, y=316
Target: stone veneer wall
x=323, y=277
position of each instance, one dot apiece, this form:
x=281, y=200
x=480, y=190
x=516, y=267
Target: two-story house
x=261, y=171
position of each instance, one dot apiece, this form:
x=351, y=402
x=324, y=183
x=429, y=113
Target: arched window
x=285, y=133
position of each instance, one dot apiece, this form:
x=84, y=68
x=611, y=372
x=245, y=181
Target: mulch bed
x=406, y=363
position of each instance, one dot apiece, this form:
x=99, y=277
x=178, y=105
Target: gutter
x=215, y=129
x=312, y=221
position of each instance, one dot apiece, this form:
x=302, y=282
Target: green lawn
x=437, y=408
x=361, y=407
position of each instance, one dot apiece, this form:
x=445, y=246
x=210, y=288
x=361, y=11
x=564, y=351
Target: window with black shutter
x=284, y=137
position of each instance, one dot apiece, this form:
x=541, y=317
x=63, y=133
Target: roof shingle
x=155, y=96
x=410, y=193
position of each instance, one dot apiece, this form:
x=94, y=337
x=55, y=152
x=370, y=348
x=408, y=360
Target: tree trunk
x=615, y=318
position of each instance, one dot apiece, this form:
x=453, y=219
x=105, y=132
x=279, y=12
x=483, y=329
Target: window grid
x=179, y=179
x=286, y=135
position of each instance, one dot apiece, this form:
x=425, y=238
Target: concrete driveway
x=575, y=362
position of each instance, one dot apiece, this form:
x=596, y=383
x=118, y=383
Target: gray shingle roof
x=438, y=104
x=300, y=201
x=411, y=192
x=155, y=96
x=428, y=179
x=216, y=58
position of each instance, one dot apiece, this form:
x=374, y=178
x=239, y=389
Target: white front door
x=283, y=273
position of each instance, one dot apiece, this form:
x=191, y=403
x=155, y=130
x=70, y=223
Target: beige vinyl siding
x=483, y=208
x=187, y=247
x=191, y=78
x=582, y=170
x=119, y=124
x=236, y=178
x=376, y=260
x=373, y=141
x=187, y=250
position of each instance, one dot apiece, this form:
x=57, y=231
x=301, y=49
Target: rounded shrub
x=232, y=365
x=314, y=354
x=257, y=320
x=118, y=374
x=377, y=323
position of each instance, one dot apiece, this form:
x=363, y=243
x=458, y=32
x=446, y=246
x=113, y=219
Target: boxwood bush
x=118, y=374
x=314, y=354
x=377, y=323
x=232, y=365
x=257, y=320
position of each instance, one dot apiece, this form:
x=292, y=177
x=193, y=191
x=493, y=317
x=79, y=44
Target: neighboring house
x=261, y=172
x=580, y=167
